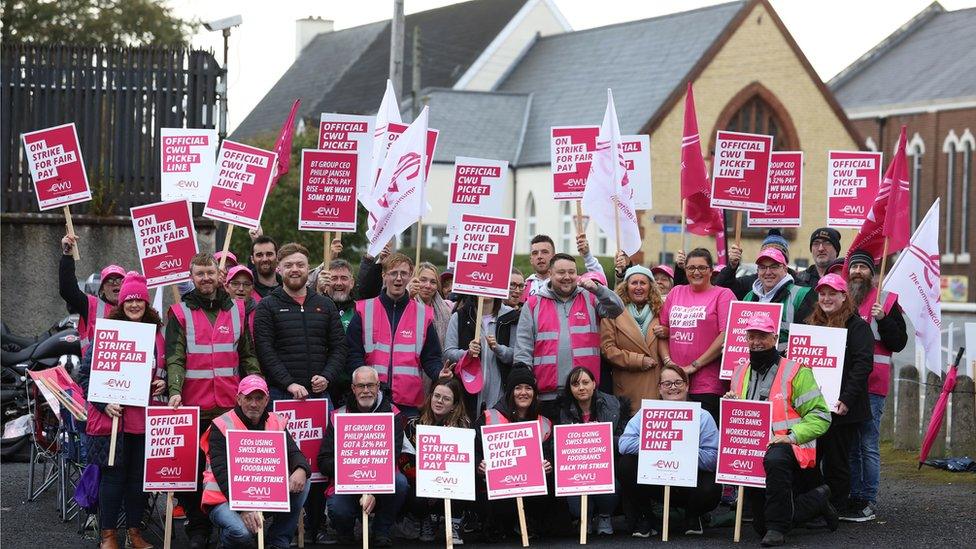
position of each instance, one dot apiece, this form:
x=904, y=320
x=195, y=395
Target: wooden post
x=667, y=513
x=223, y=258
x=884, y=260
x=738, y=228
x=579, y=217
x=326, y=249
x=448, y=529
x=71, y=231
x=420, y=240
x=301, y=528
x=168, y=529
x=111, y=444
x=738, y=514
x=260, y=530
x=522, y=527
x=365, y=524
x=477, y=319
x=584, y=518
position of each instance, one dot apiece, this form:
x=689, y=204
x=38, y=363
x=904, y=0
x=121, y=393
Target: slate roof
x=346, y=71
x=932, y=58
x=477, y=124
x=568, y=74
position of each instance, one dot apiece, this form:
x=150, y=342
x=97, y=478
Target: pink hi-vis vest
x=399, y=351
x=494, y=417
x=584, y=337
x=881, y=374
x=212, y=496
x=211, y=355
x=97, y=308
x=133, y=418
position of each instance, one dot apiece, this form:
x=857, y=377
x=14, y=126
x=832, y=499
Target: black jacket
x=505, y=327
x=603, y=408
x=75, y=299
x=858, y=365
x=808, y=277
x=384, y=404
x=369, y=282
x=893, y=330
x=295, y=342
x=218, y=451
x=548, y=449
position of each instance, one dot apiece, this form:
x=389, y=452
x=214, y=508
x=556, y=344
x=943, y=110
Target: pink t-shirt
x=694, y=320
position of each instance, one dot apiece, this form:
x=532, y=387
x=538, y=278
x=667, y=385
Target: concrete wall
x=30, y=250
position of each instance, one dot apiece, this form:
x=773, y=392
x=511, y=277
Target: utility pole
x=416, y=63
x=396, y=46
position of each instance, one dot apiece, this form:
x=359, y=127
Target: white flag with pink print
x=608, y=188
x=398, y=196
x=389, y=112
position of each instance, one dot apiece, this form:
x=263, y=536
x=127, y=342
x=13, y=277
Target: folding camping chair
x=44, y=449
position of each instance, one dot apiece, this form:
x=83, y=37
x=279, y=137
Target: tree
x=95, y=22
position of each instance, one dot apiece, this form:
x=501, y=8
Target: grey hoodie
x=608, y=305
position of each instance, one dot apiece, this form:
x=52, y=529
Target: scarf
x=767, y=297
x=642, y=317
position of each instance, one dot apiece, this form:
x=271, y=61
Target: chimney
x=308, y=28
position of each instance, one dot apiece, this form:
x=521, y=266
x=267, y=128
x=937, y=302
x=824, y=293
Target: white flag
x=915, y=278
x=389, y=112
x=609, y=188
x=396, y=200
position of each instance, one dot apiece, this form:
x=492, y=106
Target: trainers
x=773, y=539
x=327, y=537
x=643, y=529
x=456, y=532
x=383, y=541
x=179, y=513
x=604, y=525
x=427, y=528
x=470, y=522
x=407, y=527
x=693, y=527
x=858, y=511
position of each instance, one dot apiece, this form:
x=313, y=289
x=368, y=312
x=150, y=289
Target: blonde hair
x=654, y=298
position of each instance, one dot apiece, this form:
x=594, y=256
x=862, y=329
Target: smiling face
x=427, y=285
x=441, y=401
x=134, y=309
x=341, y=285
x=699, y=272
x=396, y=278
x=523, y=394
x=563, y=277
x=770, y=273
x=829, y=299
x=539, y=255
x=204, y=279
x=294, y=271
x=672, y=387
x=365, y=385
x=860, y=273
x=760, y=341
x=240, y=286
x=265, y=258
x=638, y=289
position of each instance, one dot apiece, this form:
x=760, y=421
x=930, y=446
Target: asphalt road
x=932, y=509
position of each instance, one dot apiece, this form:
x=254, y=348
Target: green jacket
x=797, y=304
x=808, y=402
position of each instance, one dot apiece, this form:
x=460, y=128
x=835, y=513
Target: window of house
x=916, y=150
x=435, y=237
x=531, y=226
x=949, y=147
x=568, y=233
x=968, y=143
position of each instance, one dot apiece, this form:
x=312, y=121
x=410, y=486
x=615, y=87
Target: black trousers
x=636, y=498
x=833, y=459
x=709, y=403
x=789, y=498
x=197, y=522
x=121, y=486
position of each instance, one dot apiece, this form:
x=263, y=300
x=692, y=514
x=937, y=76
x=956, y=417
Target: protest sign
x=785, y=205
x=353, y=134
x=485, y=250
x=745, y=427
x=54, y=159
x=364, y=454
x=257, y=470
x=241, y=183
x=172, y=449
x=584, y=459
x=513, y=460
x=166, y=241
x=445, y=462
x=853, y=179
x=822, y=350
x=307, y=421
x=395, y=130
x=669, y=434
x=637, y=155
x=736, y=349
x=122, y=363
x=479, y=188
x=327, y=200
x=186, y=163
x=570, y=155
x=740, y=174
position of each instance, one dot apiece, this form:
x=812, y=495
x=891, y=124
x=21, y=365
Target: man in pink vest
x=89, y=308
x=559, y=328
x=207, y=344
x=396, y=336
x=890, y=336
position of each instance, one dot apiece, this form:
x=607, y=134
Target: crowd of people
x=563, y=347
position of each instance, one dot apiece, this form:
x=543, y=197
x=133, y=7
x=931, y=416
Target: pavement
x=917, y=509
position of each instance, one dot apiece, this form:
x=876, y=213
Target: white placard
x=445, y=463
x=186, y=163
x=668, y=451
x=637, y=155
x=822, y=349
x=122, y=362
x=478, y=188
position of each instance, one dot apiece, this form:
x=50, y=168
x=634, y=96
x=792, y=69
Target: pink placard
x=166, y=241
x=570, y=154
x=853, y=179
x=172, y=449
x=584, y=459
x=740, y=173
x=364, y=454
x=785, y=205
x=328, y=193
x=745, y=427
x=242, y=181
x=56, y=166
x=485, y=250
x=513, y=460
x=257, y=470
x=307, y=421
x=736, y=351
x=395, y=130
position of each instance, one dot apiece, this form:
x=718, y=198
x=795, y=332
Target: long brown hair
x=837, y=319
x=653, y=296
x=457, y=418
x=150, y=316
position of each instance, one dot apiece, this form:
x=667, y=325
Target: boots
x=110, y=540
x=134, y=540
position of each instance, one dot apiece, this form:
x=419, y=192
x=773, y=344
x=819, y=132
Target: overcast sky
x=832, y=33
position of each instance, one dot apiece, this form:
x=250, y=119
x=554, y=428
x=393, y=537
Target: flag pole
x=884, y=260
x=616, y=220
x=738, y=228
x=420, y=240
x=227, y=237
x=579, y=217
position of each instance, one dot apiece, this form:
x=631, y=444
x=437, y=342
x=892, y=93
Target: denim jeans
x=345, y=509
x=121, y=486
x=233, y=533
x=601, y=504
x=866, y=456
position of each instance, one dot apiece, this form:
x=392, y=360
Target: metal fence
x=118, y=99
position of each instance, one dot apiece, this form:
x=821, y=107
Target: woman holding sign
x=836, y=310
x=583, y=403
x=121, y=484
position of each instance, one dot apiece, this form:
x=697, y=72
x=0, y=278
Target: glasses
x=442, y=398
x=699, y=268
x=245, y=284
x=516, y=286
x=773, y=267
x=398, y=274
x=362, y=386
x=114, y=281
x=672, y=384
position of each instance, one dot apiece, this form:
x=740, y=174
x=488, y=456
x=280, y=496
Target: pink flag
x=700, y=217
x=889, y=216
x=283, y=145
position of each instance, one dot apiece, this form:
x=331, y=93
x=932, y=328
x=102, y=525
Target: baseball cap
x=665, y=269
x=111, y=270
x=772, y=253
x=597, y=276
x=231, y=258
x=761, y=323
x=834, y=281
x=468, y=370
x=238, y=269
x=252, y=383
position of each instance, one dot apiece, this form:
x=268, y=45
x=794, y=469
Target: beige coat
x=625, y=348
